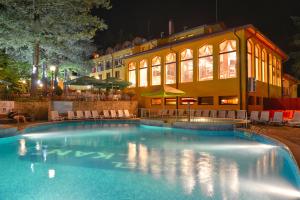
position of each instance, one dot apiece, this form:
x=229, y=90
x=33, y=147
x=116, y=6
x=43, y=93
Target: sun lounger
x=128, y=115
x=113, y=114
x=264, y=117
x=277, y=119
x=87, y=114
x=241, y=114
x=213, y=113
x=180, y=113
x=205, y=113
x=106, y=114
x=222, y=114
x=55, y=116
x=295, y=121
x=120, y=114
x=71, y=115
x=95, y=114
x=198, y=113
x=79, y=114
x=254, y=116
x=231, y=114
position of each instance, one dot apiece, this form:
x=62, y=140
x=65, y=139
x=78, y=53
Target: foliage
x=295, y=54
x=58, y=91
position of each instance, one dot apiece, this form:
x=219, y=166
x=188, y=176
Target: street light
x=52, y=69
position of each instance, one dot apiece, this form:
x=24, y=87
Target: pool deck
x=287, y=135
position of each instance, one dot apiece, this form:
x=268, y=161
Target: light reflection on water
x=223, y=169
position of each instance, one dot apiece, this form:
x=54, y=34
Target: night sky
x=130, y=18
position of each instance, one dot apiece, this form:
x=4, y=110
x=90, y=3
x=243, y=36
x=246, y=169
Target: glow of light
x=22, y=148
x=143, y=158
x=38, y=82
x=38, y=146
x=23, y=81
x=51, y=173
x=52, y=68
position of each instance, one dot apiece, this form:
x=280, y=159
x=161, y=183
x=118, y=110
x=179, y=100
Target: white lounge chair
x=222, y=114
x=198, y=113
x=54, y=116
x=120, y=114
x=180, y=112
x=277, y=118
x=106, y=114
x=87, y=114
x=71, y=115
x=113, y=114
x=79, y=114
x=231, y=114
x=95, y=114
x=213, y=113
x=296, y=119
x=264, y=117
x=241, y=114
x=205, y=113
x=128, y=115
x=254, y=116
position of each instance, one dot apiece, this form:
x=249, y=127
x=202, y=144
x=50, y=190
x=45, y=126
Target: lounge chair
x=172, y=113
x=198, y=113
x=254, y=116
x=264, y=117
x=222, y=114
x=241, y=114
x=95, y=114
x=277, y=118
x=79, y=114
x=71, y=115
x=205, y=113
x=54, y=116
x=295, y=121
x=163, y=113
x=120, y=114
x=213, y=113
x=113, y=114
x=128, y=115
x=231, y=114
x=106, y=114
x=87, y=114
x=180, y=112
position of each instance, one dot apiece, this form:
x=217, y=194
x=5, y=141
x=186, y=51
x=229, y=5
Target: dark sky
x=129, y=18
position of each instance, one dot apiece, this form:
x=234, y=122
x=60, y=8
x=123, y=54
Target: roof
x=291, y=78
x=248, y=27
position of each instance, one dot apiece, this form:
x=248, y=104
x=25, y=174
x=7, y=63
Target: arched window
x=249, y=58
x=170, y=68
x=186, y=66
x=206, y=63
x=274, y=70
x=257, y=64
x=270, y=69
x=228, y=59
x=156, y=70
x=278, y=72
x=132, y=74
x=264, y=65
x=143, y=73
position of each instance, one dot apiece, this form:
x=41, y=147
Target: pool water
x=121, y=161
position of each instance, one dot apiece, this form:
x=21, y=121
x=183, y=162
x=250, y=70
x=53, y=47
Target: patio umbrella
x=113, y=82
x=84, y=80
x=164, y=91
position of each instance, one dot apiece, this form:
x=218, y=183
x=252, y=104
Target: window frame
x=168, y=63
x=204, y=57
x=154, y=66
x=134, y=71
x=145, y=69
x=187, y=60
x=228, y=52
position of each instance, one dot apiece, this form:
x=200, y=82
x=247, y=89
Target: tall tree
x=295, y=54
x=56, y=28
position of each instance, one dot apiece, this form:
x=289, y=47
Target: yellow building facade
x=222, y=69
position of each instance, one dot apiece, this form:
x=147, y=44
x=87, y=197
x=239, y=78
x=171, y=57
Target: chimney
x=171, y=27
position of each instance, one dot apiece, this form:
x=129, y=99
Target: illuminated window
x=270, y=69
x=108, y=75
x=274, y=71
x=205, y=100
x=249, y=58
x=264, y=65
x=228, y=100
x=156, y=101
x=132, y=74
x=171, y=68
x=228, y=59
x=143, y=74
x=278, y=72
x=156, y=70
x=257, y=67
x=186, y=71
x=170, y=101
x=206, y=63
x=187, y=100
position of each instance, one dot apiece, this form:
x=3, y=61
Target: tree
x=295, y=54
x=53, y=30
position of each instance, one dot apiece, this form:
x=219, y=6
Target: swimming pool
x=126, y=160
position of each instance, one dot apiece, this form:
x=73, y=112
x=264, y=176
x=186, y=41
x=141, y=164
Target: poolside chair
x=113, y=114
x=295, y=121
x=54, y=116
x=95, y=114
x=277, y=118
x=264, y=117
x=87, y=114
x=213, y=113
x=128, y=115
x=71, y=115
x=241, y=114
x=120, y=114
x=254, y=116
x=172, y=113
x=106, y=114
x=180, y=112
x=231, y=114
x=198, y=113
x=205, y=113
x=79, y=114
x=222, y=114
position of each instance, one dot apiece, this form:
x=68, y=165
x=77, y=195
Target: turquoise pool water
x=121, y=161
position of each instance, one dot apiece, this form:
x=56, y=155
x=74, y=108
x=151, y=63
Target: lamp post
x=52, y=69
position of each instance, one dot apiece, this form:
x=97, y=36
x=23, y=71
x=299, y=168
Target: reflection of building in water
x=187, y=161
x=205, y=167
x=143, y=158
x=132, y=160
x=22, y=147
x=155, y=161
x=229, y=179
x=169, y=166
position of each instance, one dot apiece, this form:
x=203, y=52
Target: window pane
x=270, y=69
x=132, y=66
x=132, y=78
x=249, y=58
x=170, y=101
x=171, y=57
x=228, y=65
x=156, y=75
x=228, y=45
x=156, y=60
x=187, y=54
x=206, y=68
x=205, y=100
x=257, y=67
x=274, y=70
x=143, y=64
x=156, y=101
x=143, y=77
x=206, y=50
x=171, y=73
x=186, y=71
x=228, y=100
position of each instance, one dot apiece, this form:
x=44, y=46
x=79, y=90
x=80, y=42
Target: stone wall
x=37, y=109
